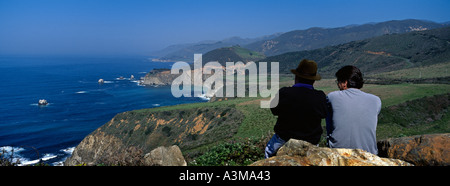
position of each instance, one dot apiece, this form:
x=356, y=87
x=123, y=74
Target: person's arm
x=275, y=104
x=329, y=119
x=379, y=105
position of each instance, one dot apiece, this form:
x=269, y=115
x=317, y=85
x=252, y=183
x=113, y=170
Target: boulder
x=422, y=150
x=165, y=156
x=302, y=153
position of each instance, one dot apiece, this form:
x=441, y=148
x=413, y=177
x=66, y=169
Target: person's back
x=353, y=114
x=300, y=111
x=355, y=117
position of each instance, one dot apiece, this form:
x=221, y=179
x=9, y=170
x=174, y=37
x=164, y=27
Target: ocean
x=78, y=104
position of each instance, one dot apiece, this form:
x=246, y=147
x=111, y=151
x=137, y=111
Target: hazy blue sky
x=108, y=27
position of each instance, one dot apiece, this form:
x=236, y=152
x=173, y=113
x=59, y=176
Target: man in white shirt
x=352, y=114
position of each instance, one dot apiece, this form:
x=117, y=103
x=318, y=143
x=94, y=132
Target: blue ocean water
x=78, y=104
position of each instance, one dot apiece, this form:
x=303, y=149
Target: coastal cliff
x=129, y=136
x=162, y=77
x=158, y=77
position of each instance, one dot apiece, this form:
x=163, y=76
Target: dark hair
x=303, y=80
x=352, y=75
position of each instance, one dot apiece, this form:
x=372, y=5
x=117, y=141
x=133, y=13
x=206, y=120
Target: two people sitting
x=351, y=114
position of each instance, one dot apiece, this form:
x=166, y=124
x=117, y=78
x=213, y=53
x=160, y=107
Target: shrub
x=7, y=159
x=233, y=153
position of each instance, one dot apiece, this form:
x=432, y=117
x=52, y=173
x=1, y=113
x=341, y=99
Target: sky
x=138, y=27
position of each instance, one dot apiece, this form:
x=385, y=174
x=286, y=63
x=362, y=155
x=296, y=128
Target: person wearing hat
x=353, y=114
x=300, y=109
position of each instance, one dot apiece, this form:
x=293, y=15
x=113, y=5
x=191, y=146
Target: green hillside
x=380, y=54
x=315, y=38
x=423, y=72
x=231, y=54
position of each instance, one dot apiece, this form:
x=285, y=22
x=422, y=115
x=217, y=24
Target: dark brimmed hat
x=307, y=69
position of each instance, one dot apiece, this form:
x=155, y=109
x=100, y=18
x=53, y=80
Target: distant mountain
x=380, y=54
x=185, y=52
x=232, y=54
x=315, y=38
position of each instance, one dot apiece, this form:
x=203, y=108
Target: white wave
x=108, y=81
x=68, y=150
x=25, y=161
x=31, y=162
x=138, y=82
x=36, y=104
x=82, y=92
x=156, y=105
x=59, y=163
x=204, y=97
x=9, y=149
x=122, y=78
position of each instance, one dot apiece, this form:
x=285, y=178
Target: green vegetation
x=188, y=126
x=232, y=153
x=7, y=158
x=396, y=94
x=231, y=54
x=437, y=73
x=257, y=122
x=247, y=54
x=421, y=116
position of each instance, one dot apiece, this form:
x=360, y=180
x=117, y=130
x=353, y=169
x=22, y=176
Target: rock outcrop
x=159, y=77
x=42, y=102
x=162, y=77
x=424, y=150
x=165, y=156
x=302, y=153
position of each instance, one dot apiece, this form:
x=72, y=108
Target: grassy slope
x=248, y=54
x=421, y=116
x=260, y=121
x=432, y=71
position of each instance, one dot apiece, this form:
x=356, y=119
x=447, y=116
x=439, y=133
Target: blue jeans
x=273, y=145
